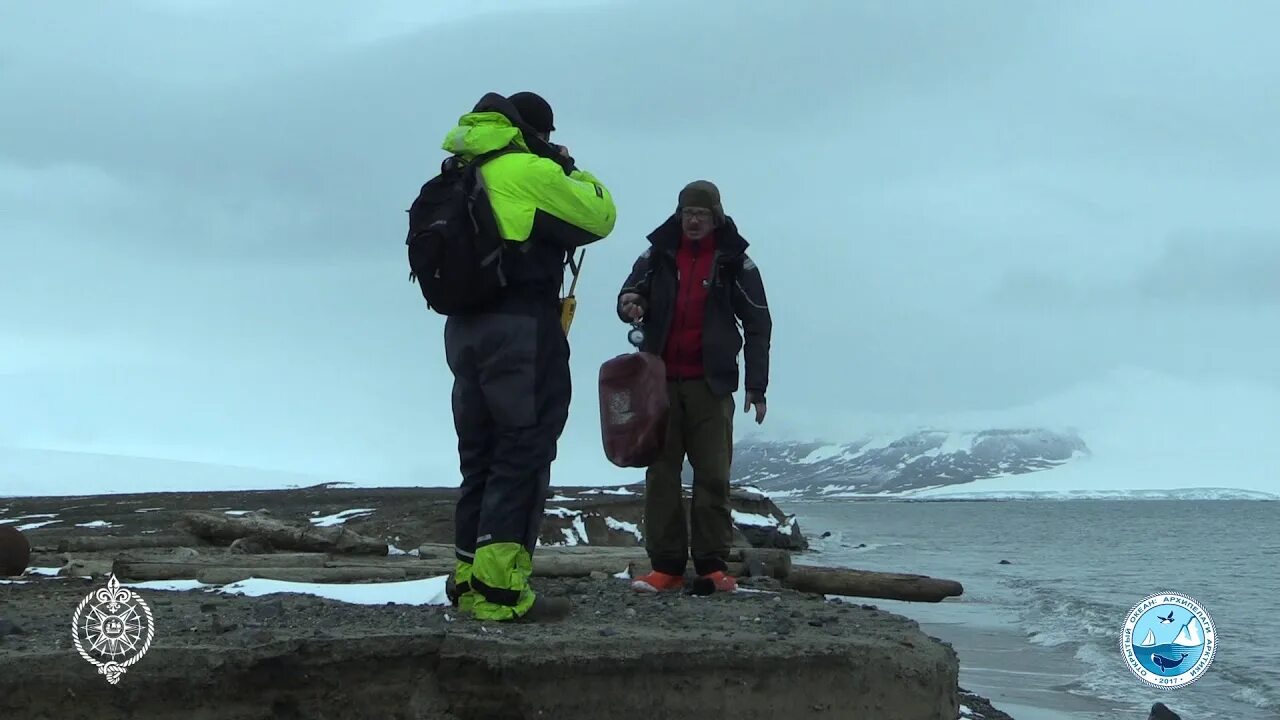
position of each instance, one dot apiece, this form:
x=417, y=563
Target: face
x=697, y=222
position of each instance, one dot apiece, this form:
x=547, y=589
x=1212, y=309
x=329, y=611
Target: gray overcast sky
x=958, y=208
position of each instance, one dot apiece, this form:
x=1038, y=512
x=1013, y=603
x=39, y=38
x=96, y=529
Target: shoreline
x=1023, y=679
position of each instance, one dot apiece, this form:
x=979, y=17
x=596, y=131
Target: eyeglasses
x=699, y=213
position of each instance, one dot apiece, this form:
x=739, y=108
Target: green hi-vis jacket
x=543, y=213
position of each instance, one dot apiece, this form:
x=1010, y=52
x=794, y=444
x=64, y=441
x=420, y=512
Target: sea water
x=1074, y=571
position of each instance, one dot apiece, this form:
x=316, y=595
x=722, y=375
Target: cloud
x=1225, y=267
x=955, y=210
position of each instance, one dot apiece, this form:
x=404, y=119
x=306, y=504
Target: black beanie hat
x=535, y=111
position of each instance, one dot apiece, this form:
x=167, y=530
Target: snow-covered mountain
x=899, y=464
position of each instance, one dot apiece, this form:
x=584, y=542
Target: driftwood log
x=582, y=560
x=224, y=575
x=433, y=561
x=100, y=543
x=225, y=529
x=563, y=562
x=870, y=584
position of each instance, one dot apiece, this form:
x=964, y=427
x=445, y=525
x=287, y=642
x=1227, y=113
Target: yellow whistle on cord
x=569, y=303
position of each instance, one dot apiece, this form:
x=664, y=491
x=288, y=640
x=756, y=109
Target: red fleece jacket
x=683, y=353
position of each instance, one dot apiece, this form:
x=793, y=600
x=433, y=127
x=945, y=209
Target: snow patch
x=169, y=585
x=96, y=524
x=339, y=518
x=580, y=527
x=753, y=520
x=1099, y=494
x=609, y=491
x=8, y=521
x=826, y=452
x=427, y=591
x=576, y=533
x=237, y=512
x=624, y=526
x=147, y=510
x=34, y=525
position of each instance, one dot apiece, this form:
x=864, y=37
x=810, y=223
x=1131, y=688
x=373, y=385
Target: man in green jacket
x=510, y=360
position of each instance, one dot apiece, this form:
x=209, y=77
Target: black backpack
x=455, y=251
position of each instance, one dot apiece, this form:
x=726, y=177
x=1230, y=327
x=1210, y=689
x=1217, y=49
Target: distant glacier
x=993, y=464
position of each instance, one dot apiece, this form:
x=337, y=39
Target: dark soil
x=621, y=655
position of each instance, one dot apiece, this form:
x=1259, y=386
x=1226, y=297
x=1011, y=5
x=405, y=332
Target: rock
x=81, y=568
x=15, y=551
x=252, y=545
x=7, y=627
x=615, y=517
x=1160, y=711
x=979, y=707
x=272, y=609
x=1005, y=562
x=599, y=576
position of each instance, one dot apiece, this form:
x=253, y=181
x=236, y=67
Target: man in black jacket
x=689, y=290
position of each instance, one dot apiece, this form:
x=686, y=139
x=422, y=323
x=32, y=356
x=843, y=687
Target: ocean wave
x=1091, y=630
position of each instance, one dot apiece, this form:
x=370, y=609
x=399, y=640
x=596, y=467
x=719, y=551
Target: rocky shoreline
x=762, y=653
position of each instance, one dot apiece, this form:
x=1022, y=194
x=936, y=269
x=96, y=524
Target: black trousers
x=511, y=394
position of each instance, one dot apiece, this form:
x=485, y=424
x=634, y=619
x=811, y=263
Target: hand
x=563, y=150
x=631, y=307
x=758, y=402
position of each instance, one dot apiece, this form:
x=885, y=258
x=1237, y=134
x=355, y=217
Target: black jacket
x=736, y=299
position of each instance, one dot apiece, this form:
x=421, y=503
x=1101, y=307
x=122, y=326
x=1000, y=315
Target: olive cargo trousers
x=700, y=426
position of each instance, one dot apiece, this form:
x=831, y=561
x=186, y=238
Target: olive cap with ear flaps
x=701, y=194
